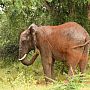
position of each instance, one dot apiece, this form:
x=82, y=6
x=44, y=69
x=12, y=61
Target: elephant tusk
x=23, y=57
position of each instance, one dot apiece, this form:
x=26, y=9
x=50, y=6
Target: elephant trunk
x=27, y=62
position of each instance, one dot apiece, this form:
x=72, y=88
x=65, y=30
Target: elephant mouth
x=24, y=56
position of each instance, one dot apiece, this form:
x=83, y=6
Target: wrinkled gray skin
x=68, y=41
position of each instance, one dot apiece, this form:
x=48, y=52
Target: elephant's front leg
x=47, y=67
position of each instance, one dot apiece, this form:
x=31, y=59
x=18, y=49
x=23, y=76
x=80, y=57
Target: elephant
x=68, y=42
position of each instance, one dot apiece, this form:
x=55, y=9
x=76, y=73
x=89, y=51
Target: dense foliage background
x=15, y=15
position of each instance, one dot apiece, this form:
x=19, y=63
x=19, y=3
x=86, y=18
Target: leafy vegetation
x=15, y=16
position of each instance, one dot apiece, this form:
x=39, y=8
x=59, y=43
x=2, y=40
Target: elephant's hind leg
x=73, y=59
x=72, y=67
x=84, y=60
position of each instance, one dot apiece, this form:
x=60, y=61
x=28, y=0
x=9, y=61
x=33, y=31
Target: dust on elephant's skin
x=68, y=41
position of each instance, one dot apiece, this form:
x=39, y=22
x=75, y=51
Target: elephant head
x=27, y=43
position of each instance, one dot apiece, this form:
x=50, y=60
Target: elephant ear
x=32, y=28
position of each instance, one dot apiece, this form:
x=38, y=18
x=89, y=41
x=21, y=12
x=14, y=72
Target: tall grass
x=16, y=76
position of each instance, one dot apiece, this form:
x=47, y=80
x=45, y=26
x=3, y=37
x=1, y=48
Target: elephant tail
x=82, y=45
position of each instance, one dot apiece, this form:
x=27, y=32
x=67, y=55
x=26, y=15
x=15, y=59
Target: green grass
x=15, y=76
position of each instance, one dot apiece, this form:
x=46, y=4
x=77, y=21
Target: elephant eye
x=23, y=41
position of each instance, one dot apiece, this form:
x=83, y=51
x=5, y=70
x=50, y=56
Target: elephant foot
x=49, y=80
